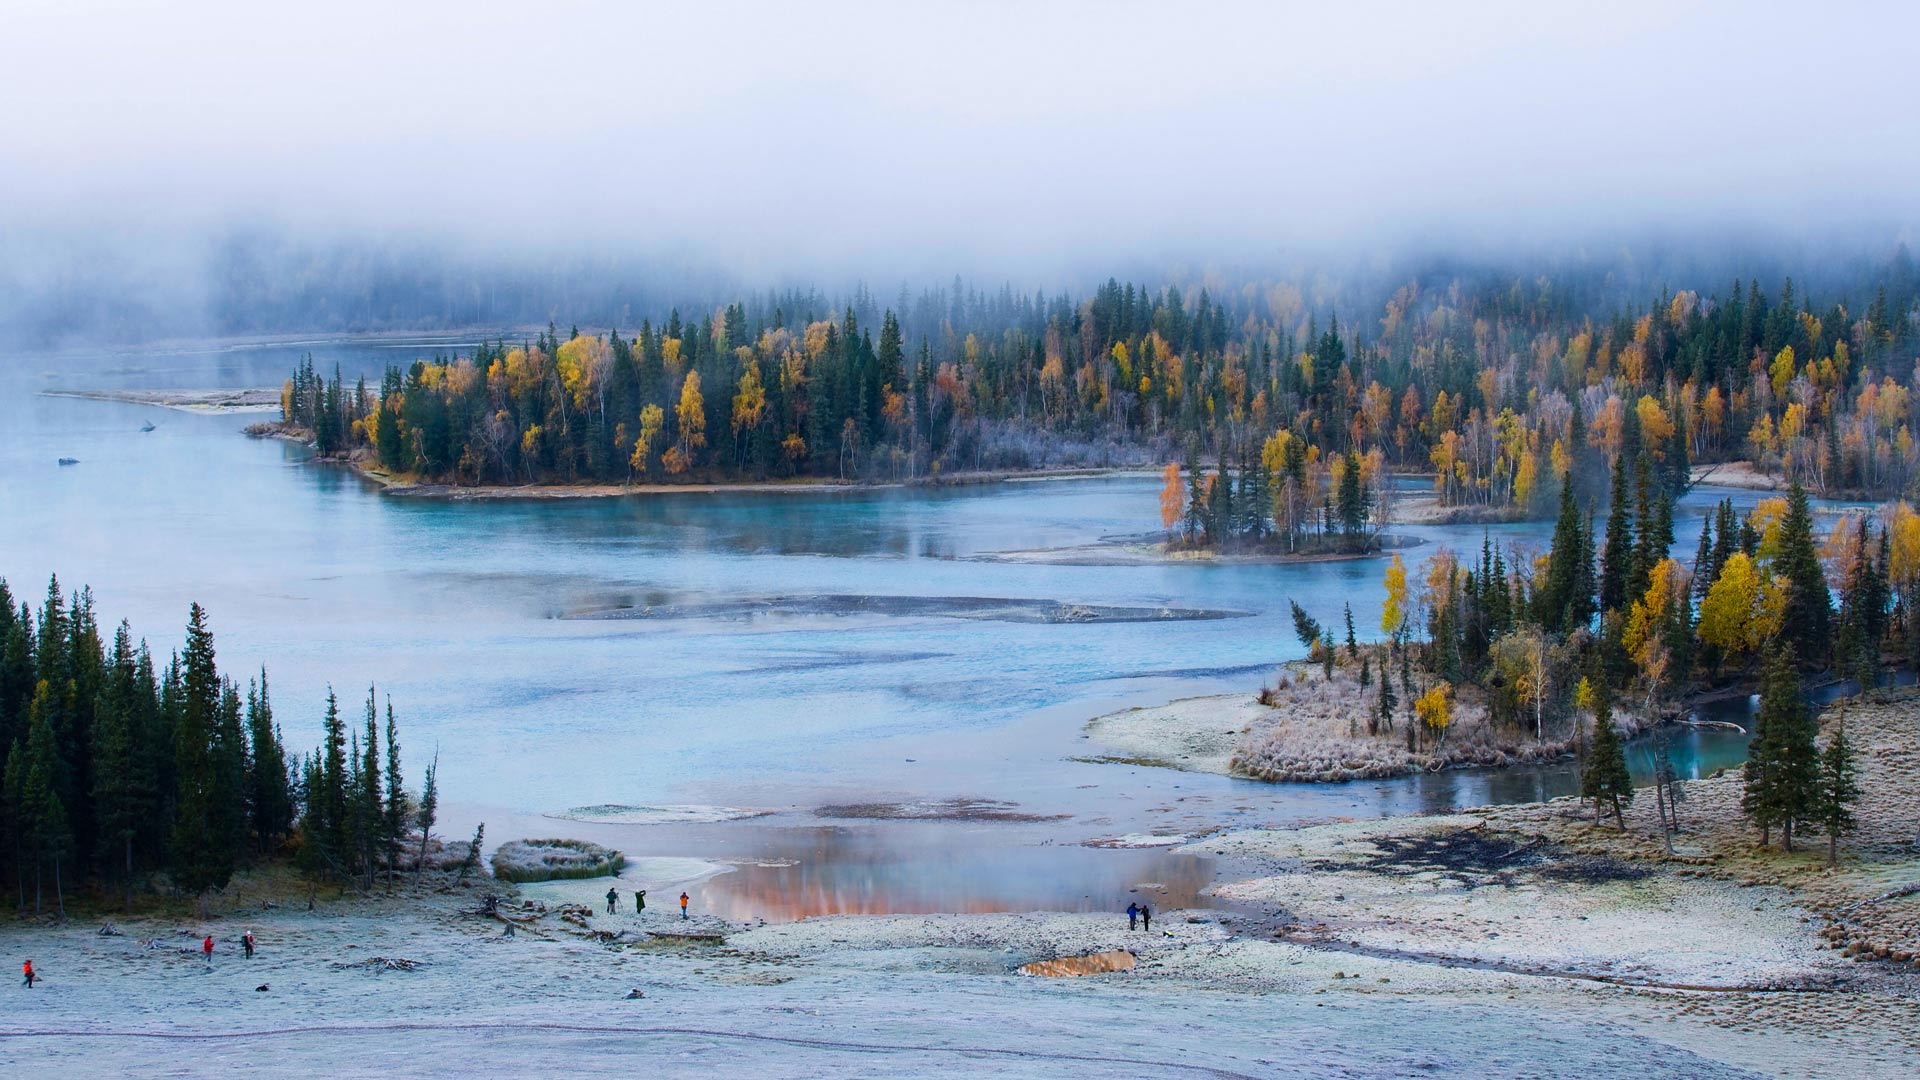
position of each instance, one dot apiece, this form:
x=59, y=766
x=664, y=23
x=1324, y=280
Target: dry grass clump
x=1318, y=733
x=554, y=860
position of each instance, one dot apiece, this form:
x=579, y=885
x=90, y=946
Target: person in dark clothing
x=683, y=906
x=27, y=970
x=1146, y=917
x=640, y=902
x=613, y=899
x=246, y=941
x=1133, y=916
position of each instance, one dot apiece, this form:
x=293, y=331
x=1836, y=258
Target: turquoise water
x=459, y=611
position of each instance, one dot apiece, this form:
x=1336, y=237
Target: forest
x=1499, y=387
x=124, y=773
x=1548, y=641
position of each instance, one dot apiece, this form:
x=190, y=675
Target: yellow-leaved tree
x=1741, y=608
x=691, y=417
x=1170, y=496
x=1435, y=708
x=1394, y=612
x=652, y=419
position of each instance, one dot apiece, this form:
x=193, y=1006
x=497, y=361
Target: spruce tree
x=394, y=823
x=270, y=794
x=1806, y=621
x=1554, y=597
x=1782, y=761
x=1617, y=554
x=200, y=854
x=1605, y=779
x=1836, y=790
x=48, y=832
x=124, y=784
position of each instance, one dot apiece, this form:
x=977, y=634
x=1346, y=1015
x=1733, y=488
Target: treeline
x=1501, y=387
x=121, y=772
x=1551, y=640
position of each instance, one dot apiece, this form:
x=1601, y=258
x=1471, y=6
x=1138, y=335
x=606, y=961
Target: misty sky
x=790, y=134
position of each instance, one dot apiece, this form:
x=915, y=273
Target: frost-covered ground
x=853, y=996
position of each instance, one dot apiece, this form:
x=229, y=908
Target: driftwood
x=1717, y=725
x=110, y=930
x=1904, y=890
x=383, y=963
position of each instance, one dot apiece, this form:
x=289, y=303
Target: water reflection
x=785, y=874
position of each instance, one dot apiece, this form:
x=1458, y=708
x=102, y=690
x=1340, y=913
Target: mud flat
x=200, y=401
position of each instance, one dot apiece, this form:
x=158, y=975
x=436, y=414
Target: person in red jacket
x=27, y=970
x=206, y=950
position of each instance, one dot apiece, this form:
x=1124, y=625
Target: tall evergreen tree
x=1605, y=779
x=201, y=855
x=1836, y=791
x=1782, y=762
x=1806, y=622
x=1617, y=555
x=269, y=785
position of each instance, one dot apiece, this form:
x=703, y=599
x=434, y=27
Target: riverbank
x=1501, y=942
x=1316, y=731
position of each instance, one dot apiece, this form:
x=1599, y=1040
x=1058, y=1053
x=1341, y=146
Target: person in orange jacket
x=683, y=906
x=27, y=970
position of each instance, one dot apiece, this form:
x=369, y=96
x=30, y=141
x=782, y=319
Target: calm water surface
x=460, y=612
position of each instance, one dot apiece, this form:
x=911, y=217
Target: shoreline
x=1217, y=733
x=1474, y=937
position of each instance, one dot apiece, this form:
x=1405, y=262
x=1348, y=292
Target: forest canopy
x=1499, y=387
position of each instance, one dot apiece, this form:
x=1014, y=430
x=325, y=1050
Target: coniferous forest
x=125, y=772
x=1500, y=387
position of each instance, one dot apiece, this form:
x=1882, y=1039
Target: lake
x=759, y=678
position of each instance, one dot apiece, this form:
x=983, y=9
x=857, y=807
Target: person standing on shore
x=1146, y=917
x=27, y=970
x=640, y=901
x=206, y=950
x=613, y=899
x=246, y=940
x=1133, y=916
x=683, y=907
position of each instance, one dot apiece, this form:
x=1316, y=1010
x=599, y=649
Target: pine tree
x=1605, y=779
x=270, y=794
x=47, y=828
x=200, y=853
x=125, y=795
x=1836, y=791
x=428, y=812
x=1806, y=622
x=1555, y=598
x=394, y=825
x=1353, y=645
x=369, y=806
x=1617, y=555
x=1782, y=761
